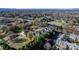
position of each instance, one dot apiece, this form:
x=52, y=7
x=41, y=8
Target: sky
x=39, y=4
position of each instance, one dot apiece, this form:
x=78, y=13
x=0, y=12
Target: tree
x=46, y=35
x=16, y=29
x=30, y=35
x=45, y=23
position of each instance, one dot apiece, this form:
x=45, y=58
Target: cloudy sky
x=39, y=3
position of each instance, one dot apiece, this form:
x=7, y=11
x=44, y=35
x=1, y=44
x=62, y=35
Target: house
x=74, y=37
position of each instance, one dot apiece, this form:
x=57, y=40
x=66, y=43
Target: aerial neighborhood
x=39, y=29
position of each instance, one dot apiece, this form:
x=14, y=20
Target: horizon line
x=41, y=8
